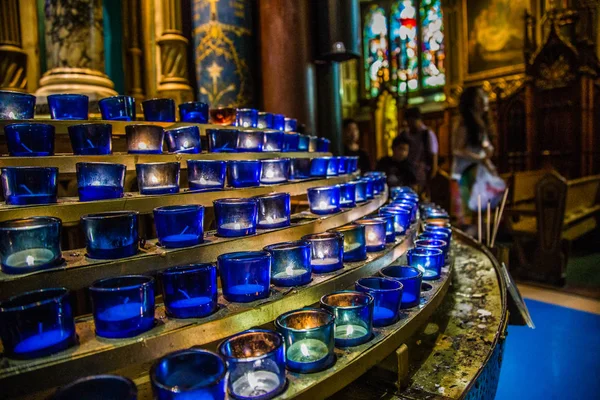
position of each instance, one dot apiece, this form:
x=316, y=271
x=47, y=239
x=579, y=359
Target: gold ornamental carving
x=555, y=75
x=13, y=60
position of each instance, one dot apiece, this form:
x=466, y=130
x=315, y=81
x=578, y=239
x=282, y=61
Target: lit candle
x=30, y=258
x=307, y=351
x=350, y=331
x=255, y=384
x=353, y=313
x=327, y=251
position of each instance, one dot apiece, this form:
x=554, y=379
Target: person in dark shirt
x=399, y=170
x=351, y=145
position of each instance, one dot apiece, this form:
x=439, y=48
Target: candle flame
x=270, y=218
x=321, y=255
x=248, y=140
x=397, y=227
x=202, y=181
x=142, y=146
x=253, y=382
x=11, y=115
x=30, y=260
x=270, y=174
x=153, y=179
x=323, y=205
x=289, y=270
x=304, y=350
x=185, y=144
x=237, y=225
x=269, y=148
x=371, y=236
x=349, y=330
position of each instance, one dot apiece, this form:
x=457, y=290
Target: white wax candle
x=289, y=272
x=272, y=221
x=350, y=331
x=323, y=205
x=307, y=350
x=29, y=257
x=205, y=182
x=324, y=261
x=236, y=225
x=256, y=383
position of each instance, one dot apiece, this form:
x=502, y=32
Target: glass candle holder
x=236, y=217
x=100, y=181
x=326, y=251
x=179, y=226
x=190, y=291
x=387, y=296
x=300, y=168
x=279, y=122
x=409, y=196
x=193, y=111
x=118, y=108
x=256, y=364
x=246, y=117
x=353, y=164
x=324, y=200
x=375, y=233
x=397, y=190
x=401, y=216
x=390, y=230
x=290, y=263
x=222, y=140
x=361, y=191
x=273, y=210
x=189, y=374
x=29, y=139
x=274, y=171
x=273, y=141
x=437, y=235
x=347, y=195
x=37, y=323
x=408, y=204
x=250, y=141
x=303, y=142
x=265, y=120
x=17, y=105
x=368, y=188
x=206, y=174
x=185, y=139
x=224, y=116
x=343, y=165
x=30, y=244
x=323, y=145
x=144, y=139
x=29, y=185
x=333, y=166
x=410, y=278
x=68, y=106
x=159, y=110
x=291, y=125
x=443, y=222
x=91, y=139
x=312, y=143
x=318, y=166
x=123, y=307
x=353, y=313
x=290, y=142
x=243, y=173
x=245, y=275
x=103, y=386
x=443, y=229
x=355, y=244
x=111, y=235
x=158, y=178
x=433, y=244
x=309, y=339
x=428, y=261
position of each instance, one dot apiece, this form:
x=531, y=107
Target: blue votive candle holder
x=17, y=105
x=390, y=230
x=413, y=207
x=347, y=195
x=309, y=339
x=274, y=171
x=397, y=190
x=243, y=173
x=158, y=178
x=323, y=145
x=353, y=313
x=375, y=233
x=236, y=217
x=300, y=168
x=256, y=364
x=159, y=110
x=326, y=251
x=98, y=386
x=410, y=278
x=303, y=142
x=361, y=191
x=250, y=141
x=118, y=108
x=436, y=228
x=353, y=164
x=123, y=306
x=37, y=323
x=111, y=235
x=222, y=140
x=428, y=261
x=318, y=166
x=68, y=106
x=290, y=142
x=190, y=291
x=29, y=139
x=369, y=187
x=265, y=120
x=91, y=139
x=273, y=141
x=30, y=244
x=144, y=139
x=100, y=181
x=194, y=111
x=312, y=143
x=433, y=244
x=246, y=117
x=224, y=116
x=29, y=185
x=291, y=125
x=437, y=235
x=179, y=226
x=185, y=139
x=333, y=166
x=290, y=263
x=355, y=244
x=387, y=295
x=324, y=200
x=279, y=122
x=273, y=210
x=401, y=216
x=245, y=275
x=206, y=174
x=189, y=374
x=343, y=165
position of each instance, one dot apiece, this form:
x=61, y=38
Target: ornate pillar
x=13, y=60
x=75, y=49
x=134, y=55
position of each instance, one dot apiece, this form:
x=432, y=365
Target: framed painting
x=493, y=37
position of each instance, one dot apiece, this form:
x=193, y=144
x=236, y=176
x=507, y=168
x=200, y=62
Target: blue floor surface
x=560, y=359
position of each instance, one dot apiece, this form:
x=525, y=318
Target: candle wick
x=26, y=148
x=90, y=143
x=184, y=293
x=184, y=229
x=26, y=188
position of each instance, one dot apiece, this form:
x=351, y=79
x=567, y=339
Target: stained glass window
x=405, y=50
x=375, y=40
x=432, y=39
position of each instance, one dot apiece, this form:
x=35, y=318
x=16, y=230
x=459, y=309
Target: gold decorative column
x=75, y=49
x=134, y=55
x=13, y=59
